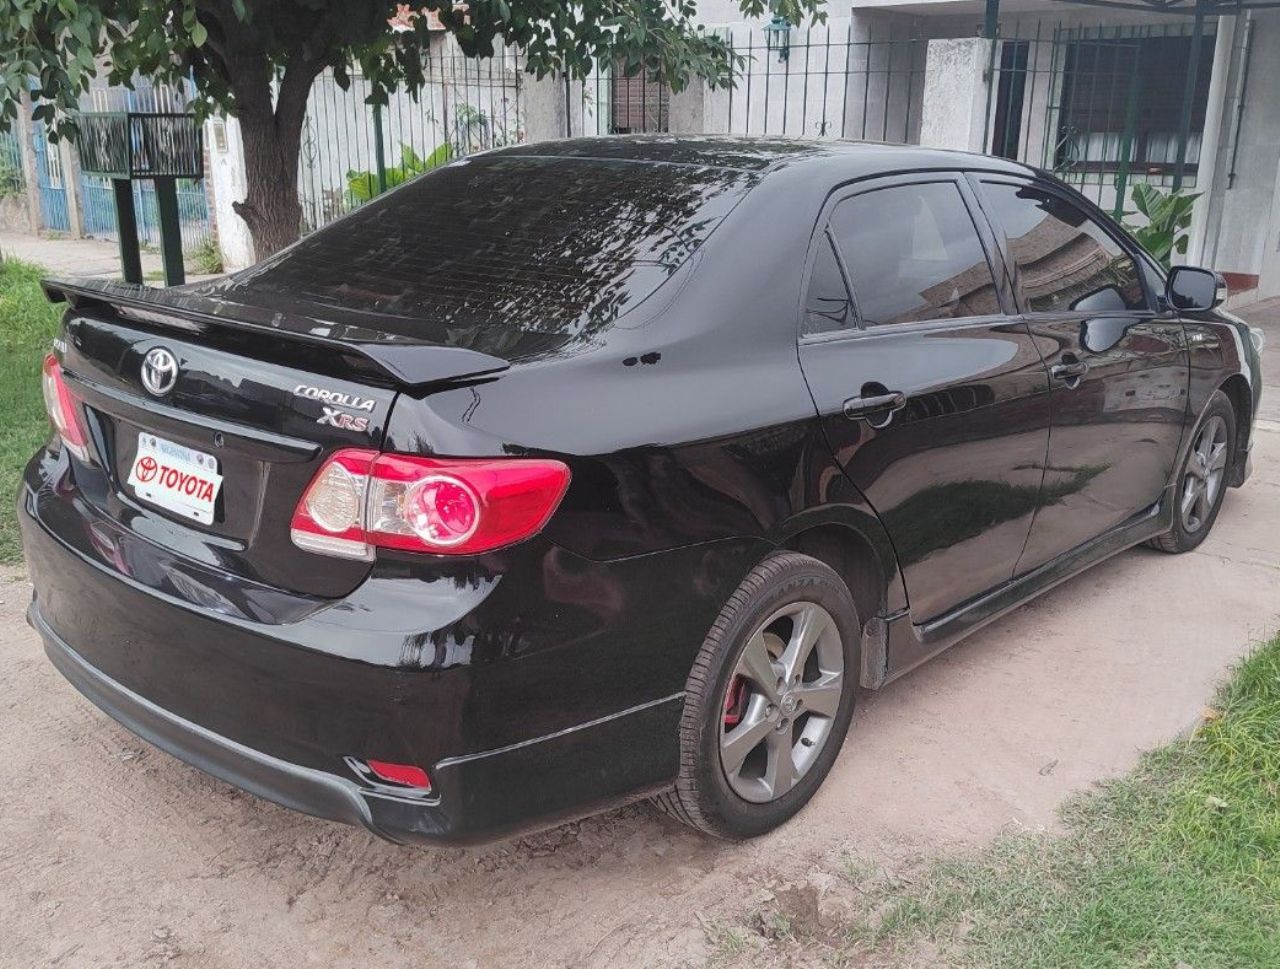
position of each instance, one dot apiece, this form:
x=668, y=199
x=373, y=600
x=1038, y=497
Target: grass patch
x=1176, y=866
x=28, y=323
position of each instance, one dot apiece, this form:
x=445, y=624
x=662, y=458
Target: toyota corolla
x=588, y=471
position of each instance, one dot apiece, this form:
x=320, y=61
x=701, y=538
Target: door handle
x=887, y=403
x=1069, y=370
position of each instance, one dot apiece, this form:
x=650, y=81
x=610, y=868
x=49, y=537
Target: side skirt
x=894, y=645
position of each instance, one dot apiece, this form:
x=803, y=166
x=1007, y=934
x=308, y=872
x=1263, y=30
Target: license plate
x=177, y=478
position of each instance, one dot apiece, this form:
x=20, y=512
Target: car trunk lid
x=254, y=408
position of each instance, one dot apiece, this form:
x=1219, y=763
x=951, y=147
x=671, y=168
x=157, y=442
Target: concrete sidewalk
x=72, y=257
x=80, y=257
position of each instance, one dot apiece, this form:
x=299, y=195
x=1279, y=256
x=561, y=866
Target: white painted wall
x=955, y=94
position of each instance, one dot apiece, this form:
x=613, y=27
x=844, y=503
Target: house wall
x=859, y=76
x=1237, y=227
x=1042, y=99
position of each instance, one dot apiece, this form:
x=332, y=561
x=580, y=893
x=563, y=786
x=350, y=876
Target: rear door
x=933, y=398
x=1117, y=366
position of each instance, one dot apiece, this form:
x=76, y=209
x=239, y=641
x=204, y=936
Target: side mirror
x=1191, y=288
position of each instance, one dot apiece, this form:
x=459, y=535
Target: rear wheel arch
x=852, y=556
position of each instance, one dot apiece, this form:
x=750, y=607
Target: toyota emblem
x=159, y=371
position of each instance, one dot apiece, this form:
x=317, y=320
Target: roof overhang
x=1208, y=8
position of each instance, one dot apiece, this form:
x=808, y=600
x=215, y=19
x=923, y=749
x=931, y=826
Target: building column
x=227, y=184
x=70, y=159
x=1206, y=211
x=686, y=116
x=955, y=94
x=543, y=105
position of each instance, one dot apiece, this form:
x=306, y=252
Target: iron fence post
x=991, y=20
x=379, y=149
x=170, y=231
x=568, y=108
x=1126, y=139
x=127, y=231
x=1188, y=96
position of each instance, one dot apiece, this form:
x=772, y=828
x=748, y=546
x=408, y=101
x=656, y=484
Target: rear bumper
x=303, y=789
x=523, y=716
x=501, y=774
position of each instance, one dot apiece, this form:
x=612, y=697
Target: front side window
x=1065, y=259
x=913, y=254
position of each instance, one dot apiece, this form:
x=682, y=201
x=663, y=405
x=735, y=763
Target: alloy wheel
x=1206, y=467
x=781, y=701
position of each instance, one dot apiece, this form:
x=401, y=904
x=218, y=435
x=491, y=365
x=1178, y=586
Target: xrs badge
x=337, y=418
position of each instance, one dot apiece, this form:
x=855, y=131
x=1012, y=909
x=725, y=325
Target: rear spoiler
x=409, y=363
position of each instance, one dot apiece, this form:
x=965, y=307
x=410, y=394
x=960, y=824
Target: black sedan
x=580, y=472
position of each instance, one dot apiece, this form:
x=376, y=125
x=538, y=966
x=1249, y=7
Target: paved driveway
x=112, y=853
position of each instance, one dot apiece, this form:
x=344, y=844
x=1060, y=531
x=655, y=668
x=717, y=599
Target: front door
x=933, y=400
x=1117, y=367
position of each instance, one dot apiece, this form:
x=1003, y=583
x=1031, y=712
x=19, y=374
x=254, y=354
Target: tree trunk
x=271, y=208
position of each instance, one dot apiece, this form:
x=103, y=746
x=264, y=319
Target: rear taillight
x=62, y=409
x=362, y=500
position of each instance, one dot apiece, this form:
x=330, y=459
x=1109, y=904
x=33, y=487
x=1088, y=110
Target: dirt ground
x=114, y=854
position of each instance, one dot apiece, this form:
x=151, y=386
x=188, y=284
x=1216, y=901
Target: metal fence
x=12, y=181
x=54, y=214
x=817, y=82
x=351, y=150
x=1100, y=106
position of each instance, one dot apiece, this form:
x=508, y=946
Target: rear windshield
x=535, y=245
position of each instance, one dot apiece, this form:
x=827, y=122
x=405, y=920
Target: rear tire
x=1202, y=478
x=732, y=785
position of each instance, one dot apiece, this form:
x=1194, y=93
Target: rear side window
x=913, y=253
x=827, y=306
x=1066, y=260
x=506, y=245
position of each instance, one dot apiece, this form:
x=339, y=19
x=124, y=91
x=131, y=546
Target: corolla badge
x=332, y=402
x=159, y=371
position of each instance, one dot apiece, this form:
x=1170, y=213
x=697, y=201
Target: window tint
x=913, y=254
x=491, y=248
x=1066, y=260
x=827, y=306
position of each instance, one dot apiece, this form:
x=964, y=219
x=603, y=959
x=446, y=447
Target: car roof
x=762, y=155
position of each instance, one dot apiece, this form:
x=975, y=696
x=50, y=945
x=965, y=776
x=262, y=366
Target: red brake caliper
x=733, y=701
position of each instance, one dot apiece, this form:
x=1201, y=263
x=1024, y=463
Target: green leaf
x=1168, y=217
x=80, y=30
x=199, y=34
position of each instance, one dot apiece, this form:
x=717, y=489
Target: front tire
x=1202, y=479
x=769, y=699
